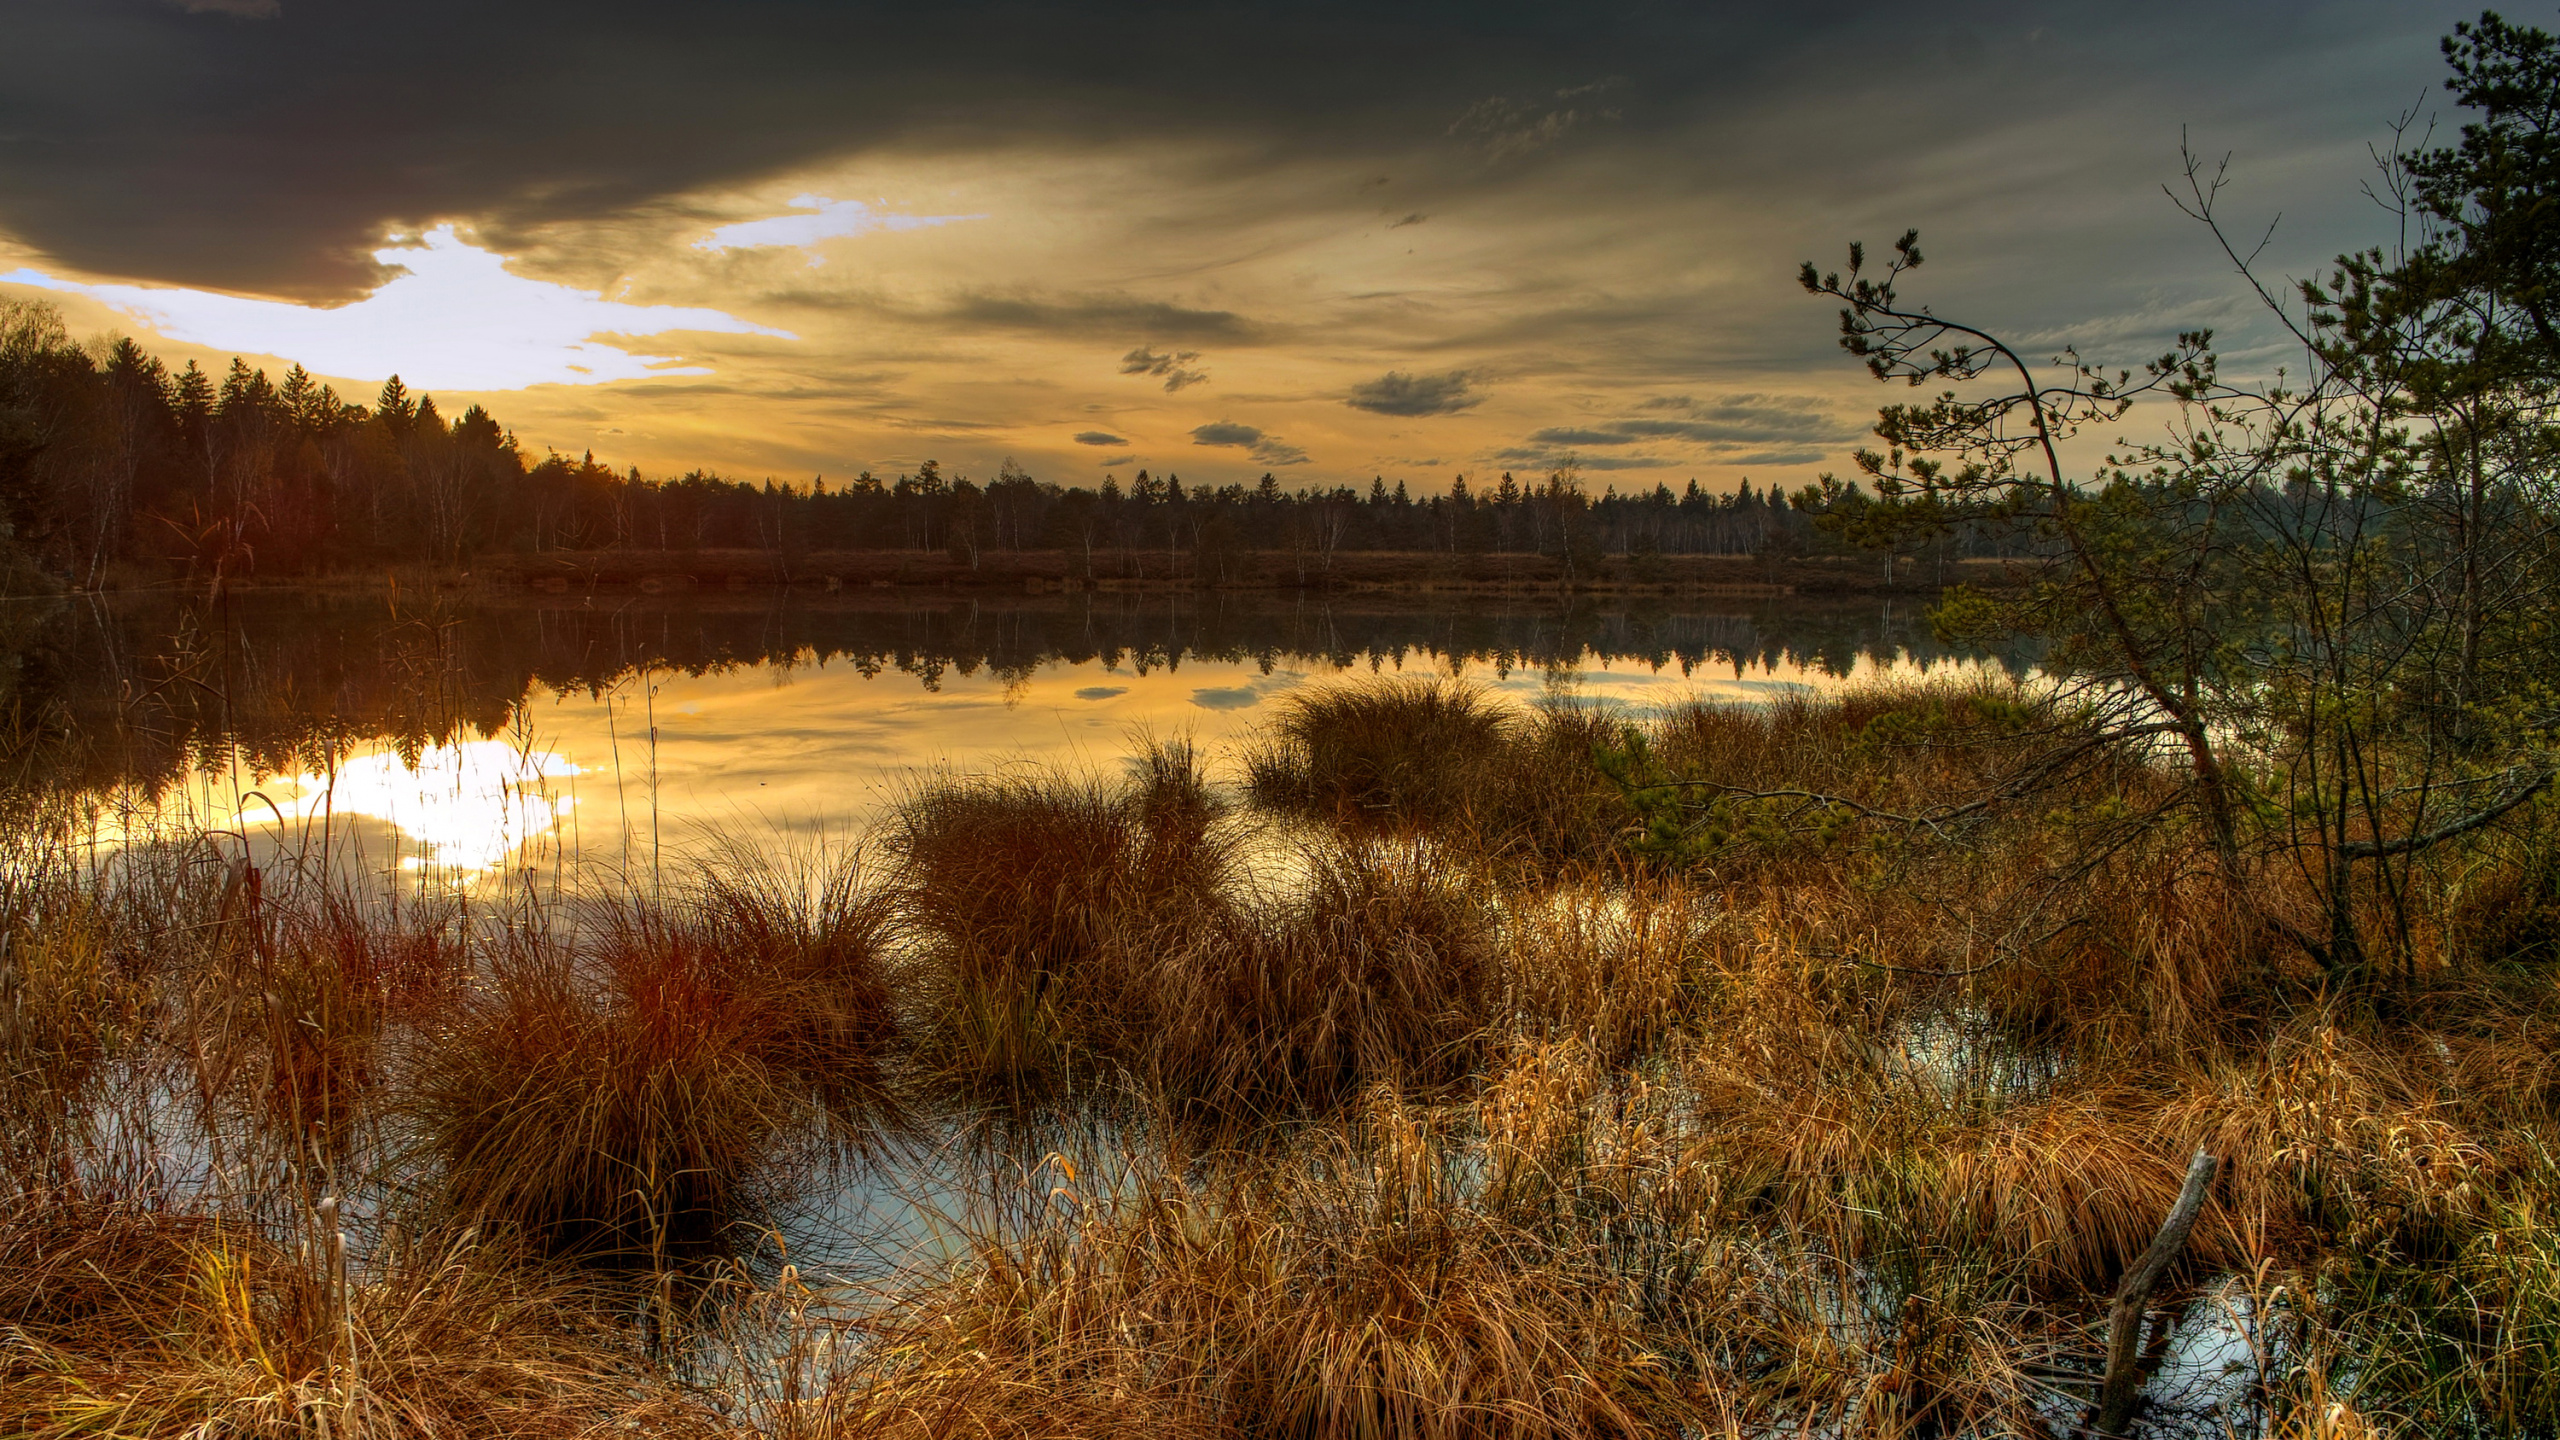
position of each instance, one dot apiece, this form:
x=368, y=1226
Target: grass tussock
x=1444, y=757
x=1377, y=967
x=624, y=1096
x=1360, y=1299
x=1038, y=900
x=1411, y=751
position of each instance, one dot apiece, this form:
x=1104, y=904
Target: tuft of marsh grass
x=1410, y=752
x=1038, y=901
x=1378, y=965
x=1342, y=1298
x=622, y=1096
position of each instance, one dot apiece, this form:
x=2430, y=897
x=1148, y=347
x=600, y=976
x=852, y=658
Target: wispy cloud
x=1502, y=127
x=1084, y=314
x=458, y=319
x=1545, y=457
x=1098, y=437
x=823, y=219
x=1751, y=421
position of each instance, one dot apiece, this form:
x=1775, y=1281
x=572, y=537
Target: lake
x=455, y=739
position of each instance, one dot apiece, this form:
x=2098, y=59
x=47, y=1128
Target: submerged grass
x=1428, y=1088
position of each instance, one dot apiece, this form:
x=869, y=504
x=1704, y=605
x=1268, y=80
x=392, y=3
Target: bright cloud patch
x=458, y=320
x=825, y=220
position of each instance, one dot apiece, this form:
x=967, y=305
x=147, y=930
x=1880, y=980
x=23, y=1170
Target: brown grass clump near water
x=1381, y=967
x=1358, y=1295
x=1441, y=756
x=1079, y=923
x=620, y=1097
x=1413, y=750
x=1038, y=901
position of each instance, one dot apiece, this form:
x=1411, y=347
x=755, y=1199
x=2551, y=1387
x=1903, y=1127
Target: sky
x=1329, y=241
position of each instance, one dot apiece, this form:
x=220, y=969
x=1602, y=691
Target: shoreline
x=1040, y=572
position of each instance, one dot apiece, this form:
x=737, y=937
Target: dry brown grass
x=1037, y=901
x=1410, y=752
x=1362, y=1298
x=1443, y=757
x=135, y=1320
x=1429, y=1100
x=1377, y=964
x=621, y=1094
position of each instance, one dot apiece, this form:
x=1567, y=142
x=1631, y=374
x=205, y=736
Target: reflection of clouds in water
x=1101, y=692
x=1245, y=696
x=1648, y=689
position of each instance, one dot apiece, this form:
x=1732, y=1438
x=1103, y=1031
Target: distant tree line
x=110, y=461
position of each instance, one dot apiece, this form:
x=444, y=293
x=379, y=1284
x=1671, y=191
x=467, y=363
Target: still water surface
x=459, y=741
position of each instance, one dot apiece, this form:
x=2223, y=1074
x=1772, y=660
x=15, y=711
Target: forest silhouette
x=112, y=466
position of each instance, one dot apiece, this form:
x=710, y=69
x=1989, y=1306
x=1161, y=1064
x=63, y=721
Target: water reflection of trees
x=95, y=693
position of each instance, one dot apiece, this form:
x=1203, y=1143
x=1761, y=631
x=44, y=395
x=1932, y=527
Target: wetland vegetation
x=1421, y=1083
x=2160, y=1039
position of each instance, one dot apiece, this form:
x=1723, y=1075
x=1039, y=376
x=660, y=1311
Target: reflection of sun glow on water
x=466, y=806
x=831, y=753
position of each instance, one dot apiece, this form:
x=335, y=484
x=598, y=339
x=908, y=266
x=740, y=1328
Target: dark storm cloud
x=145, y=141
x=139, y=139
x=1099, y=437
x=1399, y=394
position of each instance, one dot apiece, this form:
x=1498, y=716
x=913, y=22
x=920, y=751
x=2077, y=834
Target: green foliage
x=2330, y=597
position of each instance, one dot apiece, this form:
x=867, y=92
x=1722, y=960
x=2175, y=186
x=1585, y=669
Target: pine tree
x=194, y=399
x=394, y=406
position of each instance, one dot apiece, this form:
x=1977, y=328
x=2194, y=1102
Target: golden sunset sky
x=1331, y=241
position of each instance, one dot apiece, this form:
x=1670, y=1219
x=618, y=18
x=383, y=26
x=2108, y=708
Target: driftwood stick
x=2133, y=1298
